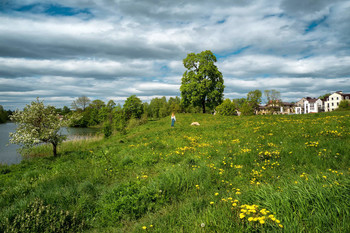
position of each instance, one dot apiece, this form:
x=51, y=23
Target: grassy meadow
x=230, y=174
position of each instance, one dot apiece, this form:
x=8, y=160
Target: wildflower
x=202, y=224
x=280, y=225
x=250, y=219
x=261, y=221
x=216, y=194
x=241, y=215
x=211, y=203
x=144, y=227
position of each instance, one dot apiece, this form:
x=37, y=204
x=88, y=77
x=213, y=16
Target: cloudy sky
x=111, y=49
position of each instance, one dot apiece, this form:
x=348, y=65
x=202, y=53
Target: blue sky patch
x=315, y=23
x=53, y=10
x=221, y=21
x=238, y=51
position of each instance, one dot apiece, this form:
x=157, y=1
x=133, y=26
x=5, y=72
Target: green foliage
x=344, y=105
x=36, y=124
x=239, y=102
x=38, y=217
x=202, y=83
x=107, y=129
x=254, y=99
x=247, y=109
x=133, y=107
x=127, y=201
x=3, y=115
x=227, y=108
x=120, y=121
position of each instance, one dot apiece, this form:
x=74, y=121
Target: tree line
x=4, y=114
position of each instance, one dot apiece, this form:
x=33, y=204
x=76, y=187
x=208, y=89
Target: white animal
x=195, y=123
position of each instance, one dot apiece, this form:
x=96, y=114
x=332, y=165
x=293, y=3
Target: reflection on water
x=9, y=154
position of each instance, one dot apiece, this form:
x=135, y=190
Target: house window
x=337, y=98
x=338, y=104
x=332, y=104
x=332, y=98
x=328, y=105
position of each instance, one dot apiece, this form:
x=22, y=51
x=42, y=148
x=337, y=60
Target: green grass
x=209, y=178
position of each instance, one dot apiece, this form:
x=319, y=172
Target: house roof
x=312, y=100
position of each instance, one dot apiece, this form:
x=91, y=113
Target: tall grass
x=230, y=174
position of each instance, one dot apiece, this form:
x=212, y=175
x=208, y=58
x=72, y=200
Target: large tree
x=202, y=83
x=37, y=124
x=133, y=107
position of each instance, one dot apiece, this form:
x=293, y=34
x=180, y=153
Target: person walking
x=173, y=119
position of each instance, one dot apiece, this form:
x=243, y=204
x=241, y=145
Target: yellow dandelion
x=241, y=215
x=216, y=194
x=211, y=203
x=280, y=225
x=144, y=227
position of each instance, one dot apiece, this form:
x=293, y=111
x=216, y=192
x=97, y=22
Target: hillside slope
x=230, y=174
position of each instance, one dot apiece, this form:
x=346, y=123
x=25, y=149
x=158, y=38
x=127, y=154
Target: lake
x=8, y=152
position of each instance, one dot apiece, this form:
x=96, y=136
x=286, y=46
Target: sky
x=112, y=49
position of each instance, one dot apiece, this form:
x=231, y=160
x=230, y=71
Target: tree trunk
x=203, y=106
x=54, y=149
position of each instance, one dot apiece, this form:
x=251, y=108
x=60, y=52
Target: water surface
x=8, y=152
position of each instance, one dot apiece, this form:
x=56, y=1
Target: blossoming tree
x=36, y=124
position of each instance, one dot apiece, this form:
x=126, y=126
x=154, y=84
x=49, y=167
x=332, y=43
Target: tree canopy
x=82, y=102
x=202, y=83
x=133, y=107
x=254, y=99
x=227, y=108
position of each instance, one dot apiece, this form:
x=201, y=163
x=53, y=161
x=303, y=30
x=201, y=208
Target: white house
x=333, y=100
x=313, y=105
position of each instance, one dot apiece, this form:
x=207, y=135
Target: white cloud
x=113, y=49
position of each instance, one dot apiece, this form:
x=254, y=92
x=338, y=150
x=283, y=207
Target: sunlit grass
x=230, y=174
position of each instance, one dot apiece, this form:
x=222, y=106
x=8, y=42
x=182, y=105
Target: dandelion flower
x=211, y=203
x=144, y=227
x=280, y=225
x=216, y=194
x=202, y=224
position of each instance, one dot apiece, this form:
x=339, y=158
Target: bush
x=227, y=108
x=107, y=130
